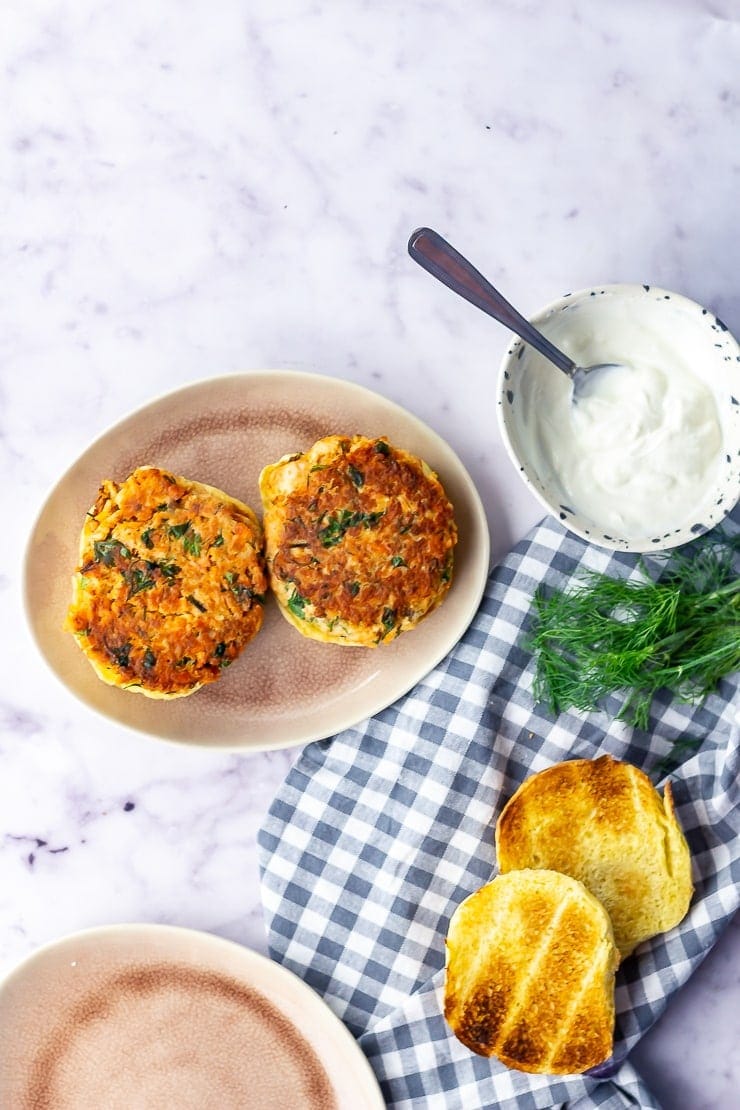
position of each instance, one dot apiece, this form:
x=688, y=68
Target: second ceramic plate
x=156, y=1016
x=284, y=689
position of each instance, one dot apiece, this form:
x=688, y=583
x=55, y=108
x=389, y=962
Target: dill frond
x=634, y=637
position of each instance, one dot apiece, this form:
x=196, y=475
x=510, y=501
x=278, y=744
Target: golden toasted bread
x=359, y=539
x=170, y=585
x=603, y=822
x=530, y=973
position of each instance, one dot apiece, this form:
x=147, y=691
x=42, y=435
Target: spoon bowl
x=603, y=488
x=439, y=258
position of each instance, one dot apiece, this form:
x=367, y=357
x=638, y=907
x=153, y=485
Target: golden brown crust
x=602, y=821
x=170, y=585
x=359, y=537
x=530, y=973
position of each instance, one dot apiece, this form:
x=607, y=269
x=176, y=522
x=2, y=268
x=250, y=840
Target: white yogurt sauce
x=638, y=451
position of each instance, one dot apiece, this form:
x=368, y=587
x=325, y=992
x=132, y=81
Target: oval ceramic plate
x=284, y=689
x=157, y=1016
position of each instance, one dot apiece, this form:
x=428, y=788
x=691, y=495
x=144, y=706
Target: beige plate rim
x=395, y=668
x=251, y=968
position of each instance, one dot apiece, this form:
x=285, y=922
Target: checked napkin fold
x=379, y=833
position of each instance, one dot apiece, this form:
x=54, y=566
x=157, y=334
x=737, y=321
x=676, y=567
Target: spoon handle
x=435, y=255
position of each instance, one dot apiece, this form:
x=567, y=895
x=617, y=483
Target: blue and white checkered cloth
x=379, y=833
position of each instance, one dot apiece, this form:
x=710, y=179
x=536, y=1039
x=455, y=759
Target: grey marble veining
x=192, y=189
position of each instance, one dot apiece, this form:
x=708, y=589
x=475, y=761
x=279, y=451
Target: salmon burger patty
x=359, y=539
x=171, y=583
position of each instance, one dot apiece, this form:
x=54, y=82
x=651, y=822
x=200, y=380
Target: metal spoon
x=435, y=255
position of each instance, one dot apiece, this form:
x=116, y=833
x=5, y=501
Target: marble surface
x=194, y=189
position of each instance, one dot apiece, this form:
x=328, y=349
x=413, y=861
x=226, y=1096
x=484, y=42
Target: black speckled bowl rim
x=727, y=493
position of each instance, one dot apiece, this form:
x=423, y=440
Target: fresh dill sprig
x=607, y=635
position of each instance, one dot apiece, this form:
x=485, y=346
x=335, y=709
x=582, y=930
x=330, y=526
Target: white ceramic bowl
x=668, y=322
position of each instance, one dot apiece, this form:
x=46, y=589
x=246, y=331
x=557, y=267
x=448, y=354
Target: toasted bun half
x=603, y=822
x=530, y=973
